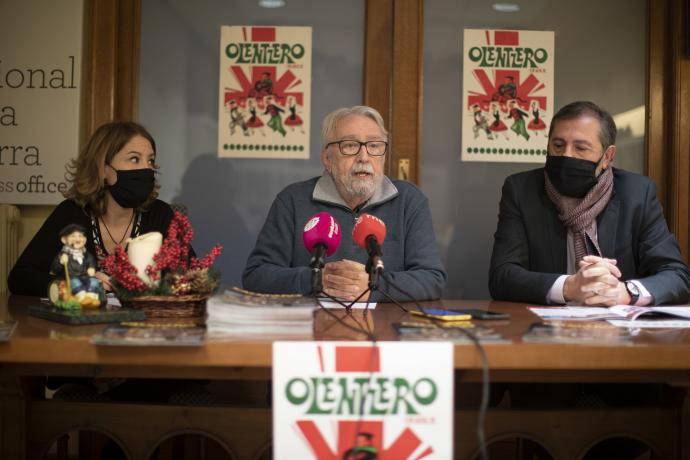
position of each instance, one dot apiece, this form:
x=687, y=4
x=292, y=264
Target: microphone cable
x=359, y=329
x=372, y=360
x=484, y=402
x=348, y=309
x=398, y=304
x=349, y=306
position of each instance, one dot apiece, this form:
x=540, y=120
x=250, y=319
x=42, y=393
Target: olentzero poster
x=507, y=95
x=265, y=92
x=346, y=400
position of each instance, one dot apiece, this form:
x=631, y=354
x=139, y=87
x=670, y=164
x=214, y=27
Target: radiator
x=9, y=241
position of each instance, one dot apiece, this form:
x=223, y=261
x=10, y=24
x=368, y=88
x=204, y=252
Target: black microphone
x=373, y=248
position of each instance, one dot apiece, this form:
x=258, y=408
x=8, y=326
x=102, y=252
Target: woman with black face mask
x=113, y=194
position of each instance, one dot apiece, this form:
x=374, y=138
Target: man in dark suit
x=579, y=231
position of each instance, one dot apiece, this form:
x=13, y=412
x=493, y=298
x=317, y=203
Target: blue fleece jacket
x=280, y=263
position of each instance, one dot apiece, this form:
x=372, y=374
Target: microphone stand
x=375, y=268
x=375, y=263
x=348, y=312
x=484, y=402
x=316, y=264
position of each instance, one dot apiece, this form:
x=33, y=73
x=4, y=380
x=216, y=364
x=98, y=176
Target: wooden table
x=40, y=348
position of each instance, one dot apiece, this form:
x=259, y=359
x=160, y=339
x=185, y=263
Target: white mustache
x=362, y=167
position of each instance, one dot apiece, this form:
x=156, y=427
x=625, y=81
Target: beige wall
x=48, y=118
x=40, y=94
x=32, y=217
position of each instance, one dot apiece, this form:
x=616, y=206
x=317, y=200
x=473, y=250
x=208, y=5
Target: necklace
x=124, y=235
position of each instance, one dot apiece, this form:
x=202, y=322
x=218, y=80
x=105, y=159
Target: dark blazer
x=530, y=250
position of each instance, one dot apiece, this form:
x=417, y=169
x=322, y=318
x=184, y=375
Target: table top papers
x=327, y=303
x=621, y=315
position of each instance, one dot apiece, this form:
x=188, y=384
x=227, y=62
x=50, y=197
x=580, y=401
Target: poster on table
x=265, y=92
x=349, y=400
x=40, y=93
x=507, y=95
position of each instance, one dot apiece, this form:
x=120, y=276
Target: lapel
x=607, y=224
x=555, y=238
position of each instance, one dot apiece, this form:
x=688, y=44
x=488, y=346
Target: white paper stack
x=239, y=314
x=621, y=315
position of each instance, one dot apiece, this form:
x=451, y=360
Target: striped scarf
x=580, y=215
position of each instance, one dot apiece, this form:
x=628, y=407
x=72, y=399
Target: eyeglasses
x=351, y=147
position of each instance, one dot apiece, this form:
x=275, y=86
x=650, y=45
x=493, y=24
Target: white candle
x=141, y=251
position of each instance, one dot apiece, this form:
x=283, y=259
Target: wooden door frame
x=667, y=152
x=393, y=69
x=111, y=62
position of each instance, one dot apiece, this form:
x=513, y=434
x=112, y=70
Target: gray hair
x=330, y=122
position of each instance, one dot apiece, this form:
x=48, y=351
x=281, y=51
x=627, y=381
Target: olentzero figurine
x=75, y=284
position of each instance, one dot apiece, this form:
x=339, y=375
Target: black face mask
x=133, y=187
x=572, y=177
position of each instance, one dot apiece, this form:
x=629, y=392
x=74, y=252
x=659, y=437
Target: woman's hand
x=105, y=279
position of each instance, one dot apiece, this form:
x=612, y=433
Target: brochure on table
x=617, y=312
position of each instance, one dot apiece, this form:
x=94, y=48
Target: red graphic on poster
x=357, y=359
x=359, y=439
x=263, y=82
x=506, y=84
x=362, y=440
x=505, y=87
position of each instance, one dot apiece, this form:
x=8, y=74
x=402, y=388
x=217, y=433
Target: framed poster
x=507, y=95
x=265, y=89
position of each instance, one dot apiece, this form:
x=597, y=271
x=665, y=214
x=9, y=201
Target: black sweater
x=31, y=274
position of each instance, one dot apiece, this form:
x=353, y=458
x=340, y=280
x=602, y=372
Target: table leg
x=12, y=419
x=685, y=427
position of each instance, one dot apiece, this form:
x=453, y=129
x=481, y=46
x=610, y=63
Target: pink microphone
x=321, y=237
x=322, y=229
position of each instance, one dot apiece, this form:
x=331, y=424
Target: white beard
x=352, y=188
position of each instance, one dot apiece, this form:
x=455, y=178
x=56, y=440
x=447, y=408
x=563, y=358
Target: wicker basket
x=170, y=307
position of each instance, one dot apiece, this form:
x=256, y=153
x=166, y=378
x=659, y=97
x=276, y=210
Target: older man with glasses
x=355, y=143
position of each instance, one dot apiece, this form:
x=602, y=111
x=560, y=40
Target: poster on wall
x=265, y=92
x=507, y=95
x=40, y=95
x=350, y=400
